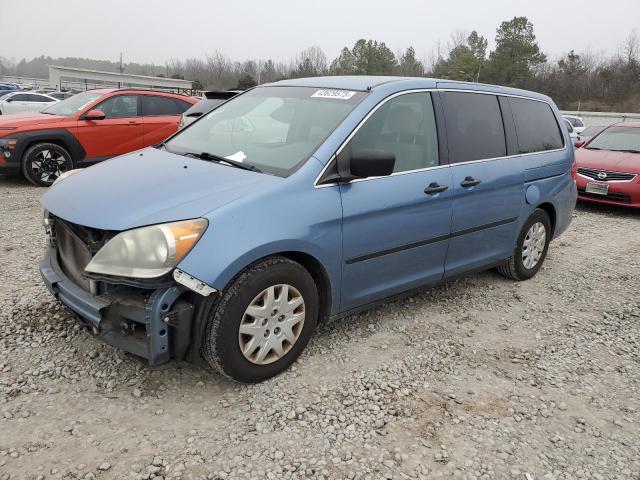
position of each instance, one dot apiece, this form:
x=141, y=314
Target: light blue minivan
x=301, y=200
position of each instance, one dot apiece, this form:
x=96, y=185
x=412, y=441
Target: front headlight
x=148, y=252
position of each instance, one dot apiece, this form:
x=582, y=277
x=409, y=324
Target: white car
x=18, y=102
x=576, y=123
x=573, y=134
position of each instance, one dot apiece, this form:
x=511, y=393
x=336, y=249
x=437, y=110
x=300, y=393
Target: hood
x=17, y=120
x=147, y=187
x=608, y=160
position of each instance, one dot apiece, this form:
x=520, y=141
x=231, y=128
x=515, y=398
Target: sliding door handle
x=470, y=182
x=434, y=188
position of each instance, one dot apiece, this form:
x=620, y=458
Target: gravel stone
x=479, y=378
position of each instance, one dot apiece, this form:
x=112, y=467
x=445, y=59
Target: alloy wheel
x=48, y=165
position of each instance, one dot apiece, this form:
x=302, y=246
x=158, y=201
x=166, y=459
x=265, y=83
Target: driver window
x=404, y=126
x=121, y=106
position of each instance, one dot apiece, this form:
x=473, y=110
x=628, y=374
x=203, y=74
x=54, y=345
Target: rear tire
x=531, y=249
x=43, y=163
x=263, y=321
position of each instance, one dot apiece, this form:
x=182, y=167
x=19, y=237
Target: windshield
x=273, y=128
x=72, y=105
x=621, y=139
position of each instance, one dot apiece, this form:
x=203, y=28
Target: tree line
x=585, y=80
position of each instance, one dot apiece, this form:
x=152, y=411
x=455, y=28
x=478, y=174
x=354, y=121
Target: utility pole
x=120, y=68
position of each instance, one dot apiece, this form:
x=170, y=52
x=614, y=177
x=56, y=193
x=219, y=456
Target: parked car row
x=85, y=129
x=89, y=127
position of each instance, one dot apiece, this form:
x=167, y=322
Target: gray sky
x=154, y=31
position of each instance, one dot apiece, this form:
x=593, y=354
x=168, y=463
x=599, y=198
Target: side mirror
x=579, y=143
x=94, y=115
x=371, y=163
x=367, y=163
x=9, y=100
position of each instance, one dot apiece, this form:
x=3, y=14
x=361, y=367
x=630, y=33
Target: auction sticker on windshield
x=339, y=94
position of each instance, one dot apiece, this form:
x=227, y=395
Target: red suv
x=85, y=129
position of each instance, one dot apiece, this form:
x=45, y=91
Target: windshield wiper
x=592, y=148
x=217, y=158
x=629, y=150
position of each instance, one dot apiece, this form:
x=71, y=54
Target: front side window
x=20, y=97
x=275, y=129
x=617, y=139
x=536, y=126
x=474, y=127
x=120, y=106
x=404, y=126
x=73, y=105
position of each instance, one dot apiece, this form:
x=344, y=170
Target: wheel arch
x=550, y=210
x=319, y=275
x=61, y=137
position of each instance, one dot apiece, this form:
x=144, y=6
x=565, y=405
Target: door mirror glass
x=94, y=115
x=371, y=163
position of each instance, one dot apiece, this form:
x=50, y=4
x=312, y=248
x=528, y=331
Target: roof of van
x=365, y=83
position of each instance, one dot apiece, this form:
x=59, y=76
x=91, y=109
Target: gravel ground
x=479, y=378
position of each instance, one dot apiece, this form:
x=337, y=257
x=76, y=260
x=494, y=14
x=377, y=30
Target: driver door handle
x=470, y=182
x=434, y=188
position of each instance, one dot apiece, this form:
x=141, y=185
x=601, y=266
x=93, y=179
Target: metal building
x=66, y=77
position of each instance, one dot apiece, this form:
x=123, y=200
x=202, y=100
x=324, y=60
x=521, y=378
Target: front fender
x=295, y=217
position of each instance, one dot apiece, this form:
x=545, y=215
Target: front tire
x=531, y=249
x=263, y=321
x=43, y=163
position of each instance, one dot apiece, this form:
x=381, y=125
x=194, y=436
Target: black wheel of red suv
x=263, y=321
x=43, y=163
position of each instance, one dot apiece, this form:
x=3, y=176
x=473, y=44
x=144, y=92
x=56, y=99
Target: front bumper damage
x=156, y=324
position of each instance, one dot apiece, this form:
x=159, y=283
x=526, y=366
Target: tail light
x=574, y=171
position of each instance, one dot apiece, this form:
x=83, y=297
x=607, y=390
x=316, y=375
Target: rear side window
x=536, y=126
x=40, y=98
x=474, y=127
x=155, y=105
x=182, y=105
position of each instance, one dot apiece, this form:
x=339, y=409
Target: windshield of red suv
x=617, y=139
x=274, y=129
x=72, y=105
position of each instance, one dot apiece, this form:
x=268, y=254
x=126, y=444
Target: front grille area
x=76, y=246
x=611, y=196
x=610, y=176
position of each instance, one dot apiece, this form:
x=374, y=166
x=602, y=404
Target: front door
x=488, y=185
x=396, y=228
x=120, y=132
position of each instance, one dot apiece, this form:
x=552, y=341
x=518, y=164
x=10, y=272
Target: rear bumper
x=153, y=324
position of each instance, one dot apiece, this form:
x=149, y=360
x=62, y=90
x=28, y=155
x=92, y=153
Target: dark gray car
x=209, y=101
